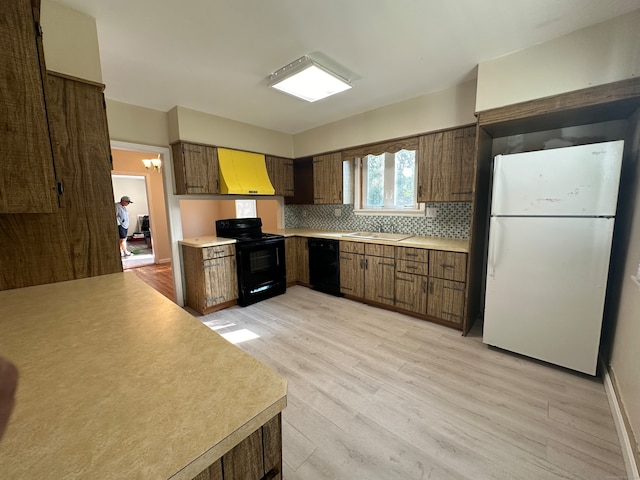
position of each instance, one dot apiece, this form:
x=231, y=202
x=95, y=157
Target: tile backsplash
x=453, y=220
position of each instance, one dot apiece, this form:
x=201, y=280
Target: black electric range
x=260, y=259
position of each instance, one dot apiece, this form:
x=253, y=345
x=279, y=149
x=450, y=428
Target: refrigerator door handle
x=493, y=247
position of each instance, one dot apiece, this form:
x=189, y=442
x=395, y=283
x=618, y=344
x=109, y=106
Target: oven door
x=261, y=270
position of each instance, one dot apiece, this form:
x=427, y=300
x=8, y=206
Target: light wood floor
x=379, y=395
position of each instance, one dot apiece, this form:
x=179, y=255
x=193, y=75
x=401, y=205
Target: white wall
x=130, y=123
x=70, y=41
x=447, y=108
x=596, y=55
x=190, y=125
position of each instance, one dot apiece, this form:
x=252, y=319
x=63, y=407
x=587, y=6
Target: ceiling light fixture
x=309, y=80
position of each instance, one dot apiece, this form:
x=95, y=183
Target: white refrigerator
x=551, y=226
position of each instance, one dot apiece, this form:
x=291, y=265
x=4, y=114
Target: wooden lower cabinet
x=297, y=260
x=411, y=292
x=302, y=251
x=446, y=300
x=257, y=457
x=380, y=273
x=352, y=269
x=211, y=279
x=291, y=257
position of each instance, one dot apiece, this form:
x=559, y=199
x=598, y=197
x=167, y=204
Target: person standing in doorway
x=122, y=217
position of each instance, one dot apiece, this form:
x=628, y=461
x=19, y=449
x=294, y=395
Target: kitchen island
x=118, y=382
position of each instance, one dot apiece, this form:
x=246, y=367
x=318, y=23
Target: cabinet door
x=431, y=181
x=411, y=292
x=220, y=281
x=82, y=153
x=463, y=164
x=448, y=265
x=280, y=172
x=27, y=183
x=352, y=274
x=245, y=460
x=446, y=300
x=303, y=260
x=291, y=256
x=380, y=279
x=327, y=179
x=195, y=168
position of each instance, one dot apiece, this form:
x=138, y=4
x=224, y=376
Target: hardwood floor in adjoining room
x=379, y=395
x=157, y=276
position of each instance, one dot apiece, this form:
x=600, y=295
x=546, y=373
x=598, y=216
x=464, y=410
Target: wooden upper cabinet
x=280, y=172
x=195, y=168
x=27, y=181
x=327, y=179
x=445, y=165
x=462, y=164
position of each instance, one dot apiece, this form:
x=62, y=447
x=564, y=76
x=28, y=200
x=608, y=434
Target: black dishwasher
x=324, y=265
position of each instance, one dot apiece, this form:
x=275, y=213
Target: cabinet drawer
x=448, y=265
x=377, y=250
x=352, y=247
x=412, y=254
x=218, y=251
x=408, y=266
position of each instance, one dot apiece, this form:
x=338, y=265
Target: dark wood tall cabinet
x=80, y=239
x=27, y=179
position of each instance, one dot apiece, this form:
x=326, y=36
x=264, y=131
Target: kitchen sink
x=390, y=237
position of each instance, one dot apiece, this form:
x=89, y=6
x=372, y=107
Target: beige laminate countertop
x=418, y=241
x=116, y=381
x=206, y=241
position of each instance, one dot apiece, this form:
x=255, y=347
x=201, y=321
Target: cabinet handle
x=411, y=267
x=431, y=287
x=388, y=264
x=211, y=265
x=345, y=258
x=457, y=289
x=410, y=254
x=340, y=195
x=194, y=186
x=446, y=265
x=419, y=191
x=366, y=263
x=400, y=279
x=461, y=193
x=424, y=286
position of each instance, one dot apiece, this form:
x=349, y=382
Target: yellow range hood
x=243, y=173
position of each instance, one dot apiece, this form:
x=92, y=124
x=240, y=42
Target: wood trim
x=478, y=229
x=616, y=100
x=77, y=79
x=392, y=146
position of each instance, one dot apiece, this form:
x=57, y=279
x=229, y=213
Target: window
x=246, y=209
x=387, y=183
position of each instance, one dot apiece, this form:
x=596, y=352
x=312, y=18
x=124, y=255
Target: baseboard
x=163, y=260
x=618, y=418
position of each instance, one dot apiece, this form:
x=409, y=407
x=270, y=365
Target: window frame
x=360, y=190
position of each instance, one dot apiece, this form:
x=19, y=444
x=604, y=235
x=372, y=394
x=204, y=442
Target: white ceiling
x=215, y=55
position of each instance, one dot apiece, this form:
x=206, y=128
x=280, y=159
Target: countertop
x=116, y=381
x=417, y=241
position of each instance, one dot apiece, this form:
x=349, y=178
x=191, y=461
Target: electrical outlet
x=337, y=212
x=431, y=212
x=304, y=213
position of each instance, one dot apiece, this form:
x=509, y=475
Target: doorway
x=139, y=241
